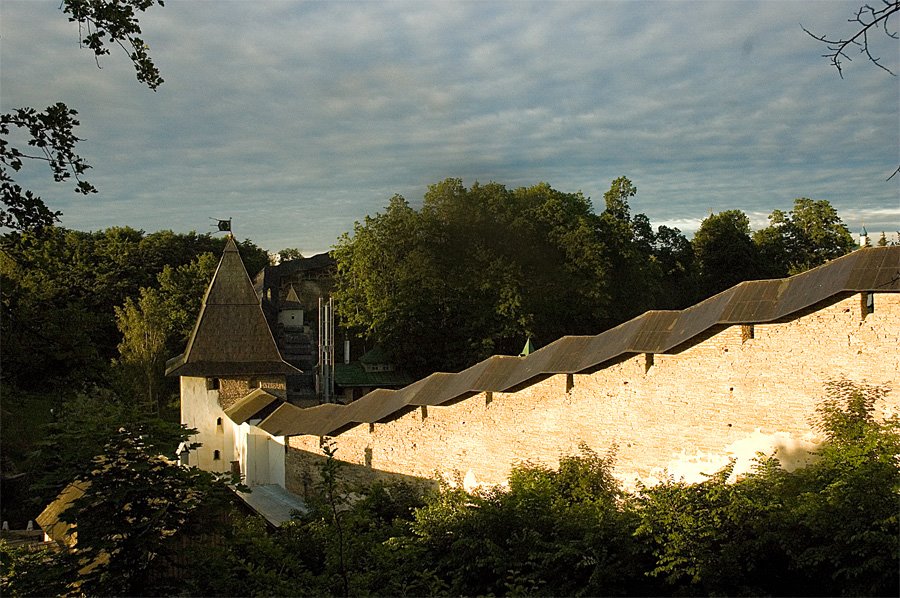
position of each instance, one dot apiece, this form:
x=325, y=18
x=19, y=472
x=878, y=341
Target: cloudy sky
x=298, y=118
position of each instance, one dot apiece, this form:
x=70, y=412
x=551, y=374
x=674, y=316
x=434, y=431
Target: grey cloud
x=299, y=118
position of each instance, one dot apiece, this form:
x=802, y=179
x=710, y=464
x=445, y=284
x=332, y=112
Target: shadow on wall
x=303, y=473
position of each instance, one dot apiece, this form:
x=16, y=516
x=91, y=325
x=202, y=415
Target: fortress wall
x=724, y=395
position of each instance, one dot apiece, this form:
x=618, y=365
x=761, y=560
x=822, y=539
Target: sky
x=297, y=119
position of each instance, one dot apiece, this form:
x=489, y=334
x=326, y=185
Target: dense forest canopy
x=476, y=271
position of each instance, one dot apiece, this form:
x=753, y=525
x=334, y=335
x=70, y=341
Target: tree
x=868, y=20
x=136, y=506
x=807, y=236
x=675, y=256
x=80, y=428
x=289, y=253
x=144, y=324
x=51, y=132
x=827, y=529
x=724, y=251
x=59, y=290
x=628, y=240
x=473, y=273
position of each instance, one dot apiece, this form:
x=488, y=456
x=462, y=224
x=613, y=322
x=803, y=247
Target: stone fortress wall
x=729, y=393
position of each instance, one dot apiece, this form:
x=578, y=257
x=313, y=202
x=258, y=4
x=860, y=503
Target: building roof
x=292, y=301
x=54, y=527
x=273, y=502
x=231, y=336
x=355, y=375
x=874, y=269
x=250, y=405
x=271, y=275
x=375, y=356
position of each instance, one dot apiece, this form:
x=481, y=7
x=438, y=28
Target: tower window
x=212, y=384
x=218, y=421
x=216, y=455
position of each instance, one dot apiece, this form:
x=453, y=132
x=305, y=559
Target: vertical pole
x=319, y=380
x=331, y=345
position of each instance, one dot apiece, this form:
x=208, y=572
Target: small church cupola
x=864, y=237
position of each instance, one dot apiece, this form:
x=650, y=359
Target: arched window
x=216, y=455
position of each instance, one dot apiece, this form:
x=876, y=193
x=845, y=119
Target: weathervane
x=222, y=225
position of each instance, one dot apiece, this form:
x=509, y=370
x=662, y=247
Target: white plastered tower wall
x=259, y=455
x=200, y=410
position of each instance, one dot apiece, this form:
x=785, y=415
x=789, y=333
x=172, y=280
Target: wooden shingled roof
x=874, y=269
x=231, y=336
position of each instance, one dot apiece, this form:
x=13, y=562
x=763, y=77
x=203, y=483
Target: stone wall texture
x=734, y=391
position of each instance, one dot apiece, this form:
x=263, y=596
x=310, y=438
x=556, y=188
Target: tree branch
x=867, y=18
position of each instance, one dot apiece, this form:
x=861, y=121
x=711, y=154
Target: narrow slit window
x=649, y=360
x=747, y=332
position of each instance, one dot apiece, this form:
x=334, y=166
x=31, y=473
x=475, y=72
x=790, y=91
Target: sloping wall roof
x=231, y=336
x=874, y=269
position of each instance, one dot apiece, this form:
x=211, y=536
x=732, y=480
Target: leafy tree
x=136, y=506
x=144, y=325
x=181, y=290
x=827, y=529
x=472, y=273
x=675, y=256
x=289, y=253
x=59, y=291
x=80, y=428
x=51, y=132
x=628, y=241
x=807, y=236
x=724, y=252
x=844, y=505
x=29, y=571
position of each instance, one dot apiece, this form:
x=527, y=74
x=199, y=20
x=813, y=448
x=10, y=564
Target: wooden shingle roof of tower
x=231, y=336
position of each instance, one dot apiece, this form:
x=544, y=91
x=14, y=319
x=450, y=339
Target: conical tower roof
x=231, y=336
